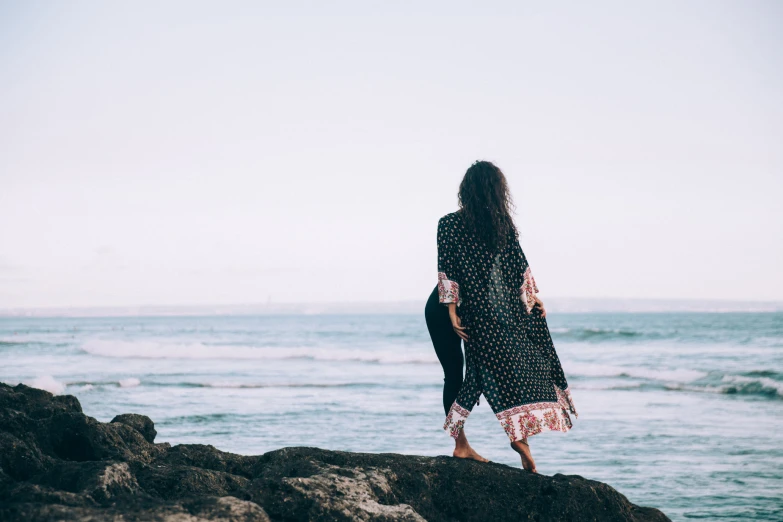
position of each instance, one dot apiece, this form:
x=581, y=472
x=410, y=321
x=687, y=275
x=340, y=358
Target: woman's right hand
x=456, y=324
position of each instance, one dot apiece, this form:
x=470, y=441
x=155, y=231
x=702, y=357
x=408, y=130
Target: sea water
x=681, y=411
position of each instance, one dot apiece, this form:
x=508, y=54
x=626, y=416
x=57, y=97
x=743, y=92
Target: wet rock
x=58, y=464
x=140, y=423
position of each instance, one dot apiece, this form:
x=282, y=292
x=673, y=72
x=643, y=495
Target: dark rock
x=315, y=484
x=224, y=509
x=208, y=457
x=140, y=423
x=36, y=403
x=19, y=460
x=58, y=464
x=101, y=481
x=175, y=482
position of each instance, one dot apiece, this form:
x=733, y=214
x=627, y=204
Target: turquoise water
x=682, y=411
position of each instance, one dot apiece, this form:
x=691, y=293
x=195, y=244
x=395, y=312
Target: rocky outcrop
x=58, y=464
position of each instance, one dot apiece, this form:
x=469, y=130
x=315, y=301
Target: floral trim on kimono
x=528, y=290
x=455, y=419
x=524, y=421
x=448, y=291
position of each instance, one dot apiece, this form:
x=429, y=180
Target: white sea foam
x=238, y=385
x=163, y=350
x=16, y=340
x=48, y=383
x=559, y=330
x=130, y=382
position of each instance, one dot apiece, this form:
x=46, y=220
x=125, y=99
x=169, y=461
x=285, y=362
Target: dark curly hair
x=485, y=204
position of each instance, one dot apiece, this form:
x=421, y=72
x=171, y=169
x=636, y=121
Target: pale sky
x=165, y=153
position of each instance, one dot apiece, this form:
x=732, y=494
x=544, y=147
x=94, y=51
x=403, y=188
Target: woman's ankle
x=461, y=442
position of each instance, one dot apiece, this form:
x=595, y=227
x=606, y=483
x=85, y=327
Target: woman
x=485, y=280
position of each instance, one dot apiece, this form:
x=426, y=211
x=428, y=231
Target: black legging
x=448, y=347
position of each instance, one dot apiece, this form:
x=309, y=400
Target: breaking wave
x=636, y=372
x=742, y=385
x=760, y=383
x=601, y=334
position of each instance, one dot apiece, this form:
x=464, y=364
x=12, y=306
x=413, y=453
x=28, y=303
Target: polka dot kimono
x=510, y=358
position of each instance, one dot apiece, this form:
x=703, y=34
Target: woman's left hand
x=540, y=305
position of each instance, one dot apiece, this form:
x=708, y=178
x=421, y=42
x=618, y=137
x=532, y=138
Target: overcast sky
x=242, y=152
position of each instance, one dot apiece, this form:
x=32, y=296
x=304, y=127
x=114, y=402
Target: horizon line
x=554, y=304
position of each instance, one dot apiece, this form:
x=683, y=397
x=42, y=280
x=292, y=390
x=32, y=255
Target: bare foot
x=468, y=453
x=463, y=450
x=527, y=458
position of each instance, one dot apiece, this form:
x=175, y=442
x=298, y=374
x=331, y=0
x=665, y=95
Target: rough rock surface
x=58, y=464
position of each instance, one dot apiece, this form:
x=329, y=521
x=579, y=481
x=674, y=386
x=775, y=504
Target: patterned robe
x=510, y=358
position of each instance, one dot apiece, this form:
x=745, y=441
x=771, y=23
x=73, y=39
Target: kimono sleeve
x=448, y=287
x=528, y=288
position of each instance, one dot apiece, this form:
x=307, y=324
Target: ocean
x=680, y=411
